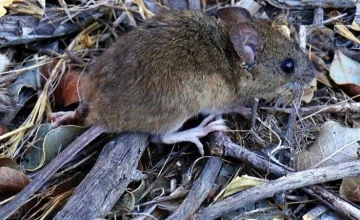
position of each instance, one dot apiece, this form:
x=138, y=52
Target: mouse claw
x=193, y=135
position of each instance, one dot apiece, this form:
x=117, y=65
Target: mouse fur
x=180, y=64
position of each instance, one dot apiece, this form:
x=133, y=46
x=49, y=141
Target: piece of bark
x=199, y=190
x=115, y=169
x=291, y=181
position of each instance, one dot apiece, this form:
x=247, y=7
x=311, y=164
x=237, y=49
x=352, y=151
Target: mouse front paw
x=194, y=134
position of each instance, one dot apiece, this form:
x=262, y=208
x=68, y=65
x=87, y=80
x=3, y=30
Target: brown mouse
x=181, y=64
x=178, y=65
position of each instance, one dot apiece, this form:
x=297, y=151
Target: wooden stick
x=292, y=181
x=115, y=168
x=199, y=191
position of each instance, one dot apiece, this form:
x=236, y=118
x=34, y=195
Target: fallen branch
x=115, y=168
x=289, y=182
x=222, y=144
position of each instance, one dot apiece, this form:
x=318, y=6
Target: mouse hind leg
x=78, y=116
x=194, y=134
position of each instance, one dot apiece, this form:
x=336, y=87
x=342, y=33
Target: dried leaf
x=309, y=93
x=323, y=78
x=3, y=129
x=345, y=71
x=42, y=3
x=242, y=183
x=344, y=31
x=335, y=144
x=29, y=79
x=48, y=143
x=10, y=163
x=350, y=188
x=4, y=3
x=12, y=180
x=67, y=91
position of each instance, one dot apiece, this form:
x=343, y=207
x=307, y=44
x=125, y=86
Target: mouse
x=180, y=64
x=173, y=67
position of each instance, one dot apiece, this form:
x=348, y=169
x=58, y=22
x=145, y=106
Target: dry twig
x=116, y=167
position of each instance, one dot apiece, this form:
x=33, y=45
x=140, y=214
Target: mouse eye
x=288, y=65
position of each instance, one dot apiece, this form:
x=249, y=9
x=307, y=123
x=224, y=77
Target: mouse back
x=157, y=76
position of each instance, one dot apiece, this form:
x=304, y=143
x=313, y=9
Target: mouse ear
x=247, y=41
x=234, y=15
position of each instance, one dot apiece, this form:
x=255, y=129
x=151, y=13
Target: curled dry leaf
x=350, y=188
x=48, y=143
x=12, y=180
x=345, y=72
x=12, y=176
x=335, y=144
x=67, y=92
